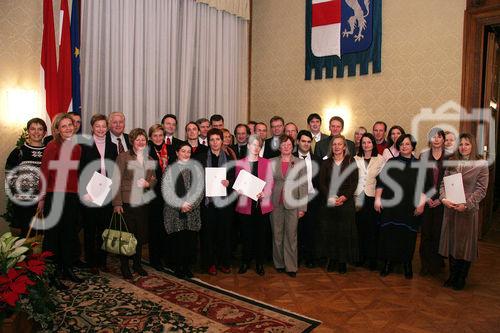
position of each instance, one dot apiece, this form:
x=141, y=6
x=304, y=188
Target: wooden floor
x=362, y=301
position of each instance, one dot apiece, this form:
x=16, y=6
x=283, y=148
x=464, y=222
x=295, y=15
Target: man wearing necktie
x=116, y=137
x=271, y=145
x=314, y=123
x=307, y=227
x=169, y=123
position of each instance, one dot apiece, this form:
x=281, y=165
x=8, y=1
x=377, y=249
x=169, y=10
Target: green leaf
x=17, y=252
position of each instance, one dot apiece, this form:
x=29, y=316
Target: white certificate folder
x=249, y=185
x=98, y=188
x=213, y=182
x=454, y=188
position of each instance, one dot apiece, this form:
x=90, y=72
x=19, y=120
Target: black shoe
x=291, y=274
x=187, y=273
x=243, y=268
x=408, y=270
x=387, y=269
x=259, y=269
x=69, y=274
x=372, y=265
x=158, y=267
x=330, y=267
x=56, y=283
x=179, y=272
x=280, y=270
x=139, y=270
x=342, y=268
x=81, y=264
x=125, y=270
x=310, y=264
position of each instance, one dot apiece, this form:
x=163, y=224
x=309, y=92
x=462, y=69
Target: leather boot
x=463, y=271
x=243, y=268
x=124, y=268
x=387, y=269
x=408, y=270
x=137, y=265
x=69, y=274
x=453, y=273
x=56, y=283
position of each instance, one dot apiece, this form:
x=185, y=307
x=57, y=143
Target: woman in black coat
x=400, y=220
x=338, y=180
x=216, y=222
x=96, y=218
x=159, y=252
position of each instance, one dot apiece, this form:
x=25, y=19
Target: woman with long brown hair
x=459, y=234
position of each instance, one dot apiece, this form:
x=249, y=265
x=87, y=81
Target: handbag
x=116, y=240
x=35, y=242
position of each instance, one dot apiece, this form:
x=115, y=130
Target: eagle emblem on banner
x=342, y=33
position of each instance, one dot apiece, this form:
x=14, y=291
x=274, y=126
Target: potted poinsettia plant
x=24, y=286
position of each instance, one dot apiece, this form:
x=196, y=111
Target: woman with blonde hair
x=61, y=238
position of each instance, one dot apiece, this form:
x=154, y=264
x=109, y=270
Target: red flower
x=14, y=284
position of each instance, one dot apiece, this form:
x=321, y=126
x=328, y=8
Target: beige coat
x=367, y=175
x=460, y=231
x=287, y=184
x=131, y=170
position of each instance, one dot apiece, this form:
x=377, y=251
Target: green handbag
x=116, y=240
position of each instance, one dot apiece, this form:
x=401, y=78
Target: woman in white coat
x=369, y=165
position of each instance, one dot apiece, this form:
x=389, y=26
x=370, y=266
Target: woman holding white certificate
x=96, y=218
x=459, y=234
x=254, y=215
x=216, y=215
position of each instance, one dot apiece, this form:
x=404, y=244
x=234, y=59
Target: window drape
x=148, y=58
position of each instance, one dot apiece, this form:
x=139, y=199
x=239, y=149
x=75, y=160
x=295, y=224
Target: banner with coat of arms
x=342, y=33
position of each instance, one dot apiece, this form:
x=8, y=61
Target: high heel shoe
x=259, y=269
x=387, y=269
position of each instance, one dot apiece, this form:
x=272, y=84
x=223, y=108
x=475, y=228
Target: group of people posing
x=326, y=199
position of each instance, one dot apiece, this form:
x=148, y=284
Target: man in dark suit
x=241, y=133
x=308, y=223
x=314, y=123
x=272, y=145
x=169, y=123
x=323, y=148
x=115, y=137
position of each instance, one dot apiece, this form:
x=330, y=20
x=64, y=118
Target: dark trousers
x=215, y=236
x=136, y=218
x=22, y=218
x=430, y=238
x=185, y=243
x=306, y=231
x=62, y=238
x=157, y=236
x=96, y=219
x=368, y=229
x=253, y=236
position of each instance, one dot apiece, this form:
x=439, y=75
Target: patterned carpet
x=161, y=302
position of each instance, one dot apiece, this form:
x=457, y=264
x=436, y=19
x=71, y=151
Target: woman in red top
x=59, y=196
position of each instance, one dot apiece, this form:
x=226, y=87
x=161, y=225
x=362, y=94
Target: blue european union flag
x=75, y=56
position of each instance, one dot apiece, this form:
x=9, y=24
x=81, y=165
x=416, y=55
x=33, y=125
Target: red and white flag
x=64, y=69
x=48, y=62
x=326, y=21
